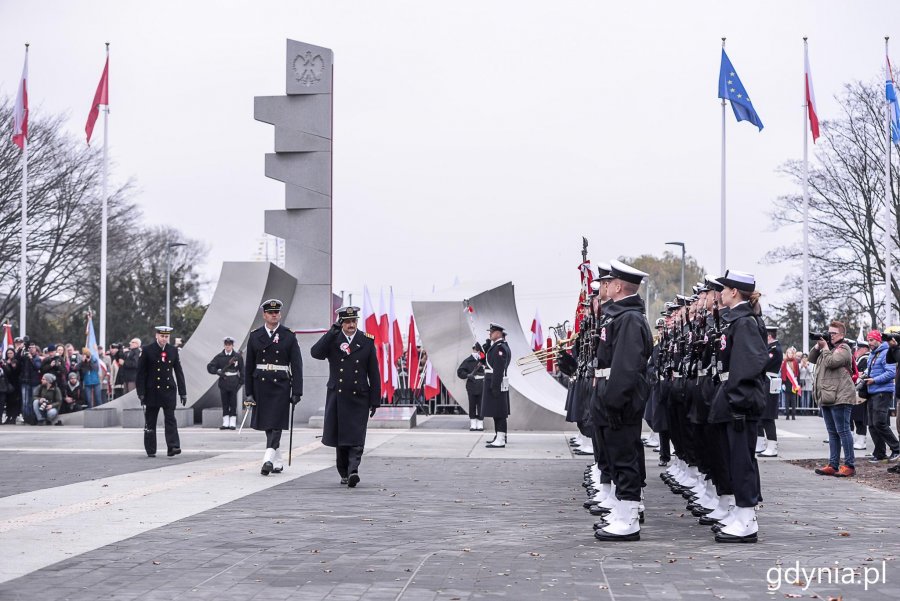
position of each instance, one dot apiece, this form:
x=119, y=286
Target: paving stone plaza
x=84, y=514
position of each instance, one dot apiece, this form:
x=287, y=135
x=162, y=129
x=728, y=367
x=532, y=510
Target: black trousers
x=600, y=456
x=790, y=404
x=171, y=427
x=474, y=406
x=348, y=460
x=880, y=424
x=500, y=424
x=625, y=461
x=740, y=462
x=767, y=429
x=229, y=402
x=273, y=439
x=665, y=452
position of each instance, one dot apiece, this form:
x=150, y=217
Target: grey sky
x=485, y=138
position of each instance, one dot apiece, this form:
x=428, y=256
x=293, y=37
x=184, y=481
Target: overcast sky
x=475, y=141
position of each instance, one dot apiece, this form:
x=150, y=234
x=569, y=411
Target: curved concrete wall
x=537, y=401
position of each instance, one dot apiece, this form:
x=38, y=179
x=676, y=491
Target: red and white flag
x=101, y=97
x=20, y=112
x=537, y=332
x=369, y=319
x=7, y=339
x=412, y=355
x=384, y=356
x=810, y=97
x=432, y=382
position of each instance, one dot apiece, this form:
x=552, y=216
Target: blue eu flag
x=731, y=88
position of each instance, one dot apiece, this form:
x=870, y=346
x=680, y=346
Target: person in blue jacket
x=880, y=386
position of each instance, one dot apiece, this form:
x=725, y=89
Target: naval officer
x=495, y=398
x=354, y=390
x=156, y=390
x=273, y=382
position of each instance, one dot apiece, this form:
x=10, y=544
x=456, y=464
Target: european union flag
x=731, y=88
x=891, y=93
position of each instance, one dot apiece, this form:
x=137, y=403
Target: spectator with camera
x=14, y=396
x=835, y=393
x=29, y=359
x=879, y=382
x=47, y=400
x=54, y=364
x=72, y=395
x=129, y=366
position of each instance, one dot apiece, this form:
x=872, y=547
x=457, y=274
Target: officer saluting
x=495, y=398
x=274, y=380
x=229, y=366
x=354, y=390
x=156, y=389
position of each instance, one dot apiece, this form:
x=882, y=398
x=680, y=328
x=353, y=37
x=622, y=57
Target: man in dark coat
x=495, y=397
x=273, y=382
x=766, y=432
x=229, y=366
x=472, y=371
x=739, y=401
x=354, y=390
x=156, y=389
x=624, y=397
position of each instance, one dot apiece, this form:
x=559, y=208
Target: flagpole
x=888, y=201
x=723, y=183
x=23, y=269
x=103, y=231
x=805, y=202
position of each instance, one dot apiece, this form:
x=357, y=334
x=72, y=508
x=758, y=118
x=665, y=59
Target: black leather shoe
x=223, y=427
x=232, y=427
x=353, y=480
x=266, y=468
x=277, y=470
x=707, y=521
x=700, y=511
x=343, y=481
x=174, y=451
x=601, y=535
x=151, y=454
x=724, y=537
x=599, y=510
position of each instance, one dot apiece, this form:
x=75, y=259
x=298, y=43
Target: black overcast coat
x=630, y=345
x=495, y=403
x=272, y=390
x=354, y=386
x=743, y=354
x=155, y=367
x=230, y=370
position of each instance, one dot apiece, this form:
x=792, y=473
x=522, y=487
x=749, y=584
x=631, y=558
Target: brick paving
x=460, y=529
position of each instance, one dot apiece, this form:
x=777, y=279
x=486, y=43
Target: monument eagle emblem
x=308, y=68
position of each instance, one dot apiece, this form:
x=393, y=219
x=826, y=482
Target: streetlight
x=681, y=244
x=169, y=247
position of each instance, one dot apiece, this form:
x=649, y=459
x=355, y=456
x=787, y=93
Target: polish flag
x=369, y=319
x=432, y=382
x=412, y=355
x=7, y=339
x=810, y=98
x=20, y=112
x=101, y=96
x=384, y=356
x=537, y=332
x=396, y=334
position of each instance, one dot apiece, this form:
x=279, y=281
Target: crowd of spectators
x=38, y=384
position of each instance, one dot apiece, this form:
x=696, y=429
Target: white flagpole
x=888, y=202
x=805, y=203
x=23, y=269
x=723, y=183
x=103, y=233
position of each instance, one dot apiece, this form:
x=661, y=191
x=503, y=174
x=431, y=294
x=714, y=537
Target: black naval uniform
x=354, y=392
x=773, y=374
x=739, y=401
x=157, y=390
x=230, y=369
x=472, y=371
x=626, y=392
x=494, y=401
x=274, y=376
x=599, y=421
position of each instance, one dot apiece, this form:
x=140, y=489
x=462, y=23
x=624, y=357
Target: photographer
x=835, y=393
x=879, y=384
x=54, y=363
x=29, y=359
x=47, y=400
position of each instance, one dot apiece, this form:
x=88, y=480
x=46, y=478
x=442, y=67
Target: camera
x=816, y=336
x=888, y=336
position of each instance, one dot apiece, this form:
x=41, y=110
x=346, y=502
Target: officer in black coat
x=156, y=389
x=766, y=432
x=739, y=401
x=626, y=388
x=354, y=390
x=229, y=366
x=495, y=397
x=273, y=381
x=472, y=371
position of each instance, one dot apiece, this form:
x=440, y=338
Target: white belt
x=488, y=370
x=478, y=377
x=602, y=373
x=272, y=367
x=703, y=372
x=773, y=374
x=723, y=377
x=230, y=373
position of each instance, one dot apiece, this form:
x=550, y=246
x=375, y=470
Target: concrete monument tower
x=302, y=160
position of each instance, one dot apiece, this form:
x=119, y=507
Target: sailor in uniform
x=472, y=371
x=273, y=381
x=495, y=398
x=766, y=433
x=229, y=366
x=354, y=390
x=156, y=389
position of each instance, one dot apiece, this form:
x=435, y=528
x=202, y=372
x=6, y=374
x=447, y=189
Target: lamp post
x=681, y=244
x=169, y=247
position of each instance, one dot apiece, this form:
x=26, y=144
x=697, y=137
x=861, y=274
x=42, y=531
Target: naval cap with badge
x=603, y=270
x=164, y=330
x=228, y=339
x=348, y=313
x=496, y=328
x=710, y=282
x=273, y=305
x=740, y=280
x=620, y=271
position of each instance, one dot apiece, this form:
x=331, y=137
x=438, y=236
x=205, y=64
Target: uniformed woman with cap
x=495, y=398
x=273, y=382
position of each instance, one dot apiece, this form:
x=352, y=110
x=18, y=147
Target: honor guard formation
x=702, y=382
